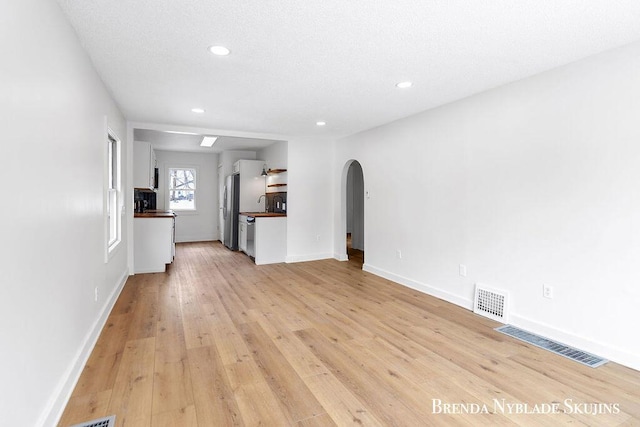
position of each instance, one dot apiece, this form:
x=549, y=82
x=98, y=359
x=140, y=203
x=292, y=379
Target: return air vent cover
x=109, y=421
x=553, y=346
x=491, y=303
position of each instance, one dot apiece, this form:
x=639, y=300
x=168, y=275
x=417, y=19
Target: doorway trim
x=341, y=250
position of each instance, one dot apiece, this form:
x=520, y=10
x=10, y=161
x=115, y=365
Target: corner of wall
x=340, y=257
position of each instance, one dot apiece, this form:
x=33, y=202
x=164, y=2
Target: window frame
x=113, y=199
x=196, y=172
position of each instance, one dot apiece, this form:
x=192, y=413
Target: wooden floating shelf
x=275, y=171
x=277, y=185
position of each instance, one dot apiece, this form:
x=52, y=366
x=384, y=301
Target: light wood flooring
x=355, y=255
x=218, y=341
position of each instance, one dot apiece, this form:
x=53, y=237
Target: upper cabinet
x=144, y=165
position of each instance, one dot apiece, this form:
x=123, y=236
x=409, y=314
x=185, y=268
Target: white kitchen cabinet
x=153, y=243
x=270, y=240
x=144, y=164
x=242, y=233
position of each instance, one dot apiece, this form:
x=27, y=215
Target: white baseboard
x=310, y=257
x=195, y=238
x=53, y=412
x=341, y=257
x=155, y=269
x=614, y=354
x=422, y=287
x=607, y=351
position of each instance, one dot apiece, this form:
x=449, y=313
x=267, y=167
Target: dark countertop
x=263, y=214
x=155, y=214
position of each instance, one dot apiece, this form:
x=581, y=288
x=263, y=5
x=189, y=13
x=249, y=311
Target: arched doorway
x=354, y=204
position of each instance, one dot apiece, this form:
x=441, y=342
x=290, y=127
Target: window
x=113, y=196
x=182, y=189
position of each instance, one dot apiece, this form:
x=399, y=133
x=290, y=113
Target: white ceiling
x=191, y=143
x=295, y=62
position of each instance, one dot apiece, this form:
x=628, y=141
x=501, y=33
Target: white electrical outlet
x=399, y=254
x=463, y=270
x=95, y=292
x=318, y=238
x=547, y=291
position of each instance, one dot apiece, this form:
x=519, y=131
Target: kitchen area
x=235, y=196
x=255, y=211
x=153, y=228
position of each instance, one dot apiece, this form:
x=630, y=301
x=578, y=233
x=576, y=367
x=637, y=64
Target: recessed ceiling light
x=321, y=123
x=198, y=110
x=404, y=85
x=219, y=50
x=208, y=141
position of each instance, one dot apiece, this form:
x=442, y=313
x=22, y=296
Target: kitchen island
x=269, y=244
x=153, y=240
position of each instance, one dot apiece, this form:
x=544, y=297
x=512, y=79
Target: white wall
x=529, y=184
x=275, y=156
x=229, y=157
x=310, y=199
x=201, y=225
x=54, y=112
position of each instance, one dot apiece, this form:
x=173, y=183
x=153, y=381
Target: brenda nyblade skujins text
x=502, y=406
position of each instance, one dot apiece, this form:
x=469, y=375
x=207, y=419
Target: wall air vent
x=109, y=421
x=491, y=303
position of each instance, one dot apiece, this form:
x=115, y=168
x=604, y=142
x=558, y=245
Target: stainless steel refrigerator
x=230, y=211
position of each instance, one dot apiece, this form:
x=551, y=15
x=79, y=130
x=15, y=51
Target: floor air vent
x=553, y=346
x=101, y=422
x=490, y=303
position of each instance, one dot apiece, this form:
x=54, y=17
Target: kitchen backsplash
x=277, y=202
x=145, y=196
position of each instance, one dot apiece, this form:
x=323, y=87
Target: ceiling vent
x=491, y=303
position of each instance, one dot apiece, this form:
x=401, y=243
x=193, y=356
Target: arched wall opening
x=352, y=208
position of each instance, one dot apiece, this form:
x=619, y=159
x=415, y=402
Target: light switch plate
x=463, y=270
